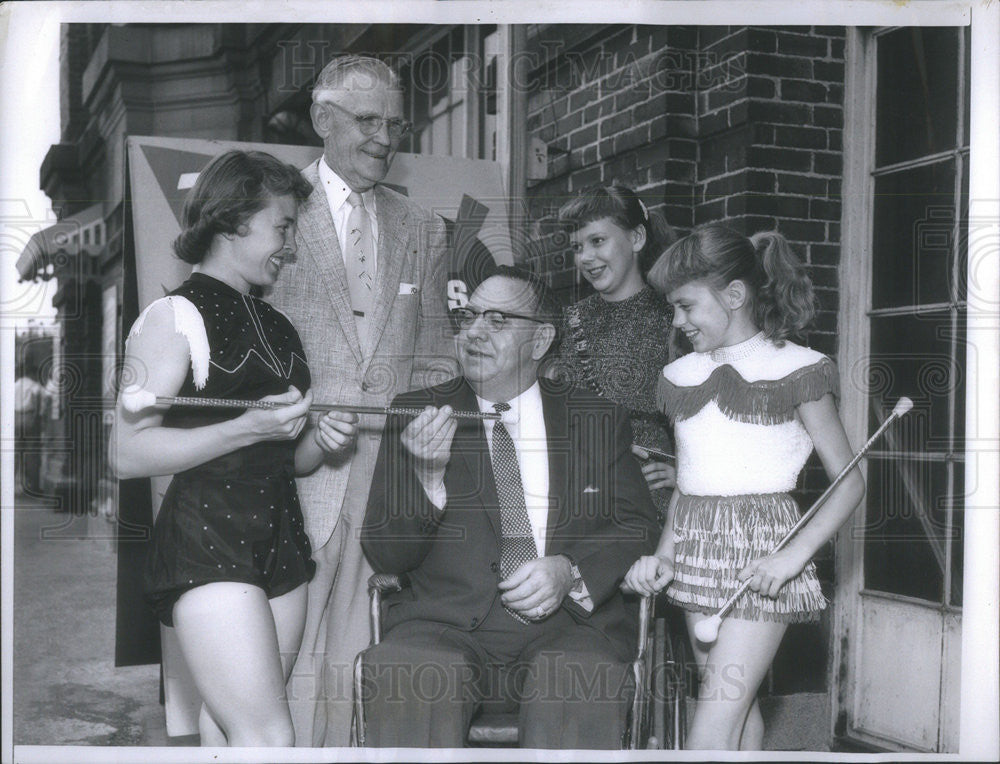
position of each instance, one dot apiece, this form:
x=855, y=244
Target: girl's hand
x=336, y=431
x=649, y=574
x=768, y=574
x=282, y=423
x=658, y=473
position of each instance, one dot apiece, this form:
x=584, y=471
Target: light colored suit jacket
x=408, y=345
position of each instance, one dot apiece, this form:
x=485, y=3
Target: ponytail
x=781, y=293
x=784, y=303
x=659, y=236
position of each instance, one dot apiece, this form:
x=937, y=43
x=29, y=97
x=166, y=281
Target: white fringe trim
x=189, y=323
x=716, y=537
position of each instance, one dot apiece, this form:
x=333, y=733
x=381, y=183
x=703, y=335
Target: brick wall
x=734, y=124
x=618, y=108
x=741, y=125
x=770, y=130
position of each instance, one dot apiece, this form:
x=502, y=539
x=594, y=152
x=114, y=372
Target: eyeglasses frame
x=403, y=125
x=455, y=312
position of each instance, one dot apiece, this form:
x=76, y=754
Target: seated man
x=515, y=535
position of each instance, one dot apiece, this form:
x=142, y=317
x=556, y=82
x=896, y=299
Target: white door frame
x=978, y=719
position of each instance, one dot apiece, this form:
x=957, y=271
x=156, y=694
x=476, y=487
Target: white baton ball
x=135, y=398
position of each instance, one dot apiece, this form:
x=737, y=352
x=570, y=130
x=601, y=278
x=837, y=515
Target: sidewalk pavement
x=67, y=690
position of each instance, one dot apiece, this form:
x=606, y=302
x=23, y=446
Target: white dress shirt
x=528, y=434
x=527, y=430
x=340, y=209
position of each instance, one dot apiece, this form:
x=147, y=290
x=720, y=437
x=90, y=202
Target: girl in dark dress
x=229, y=558
x=617, y=341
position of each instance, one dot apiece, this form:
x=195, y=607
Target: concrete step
x=798, y=722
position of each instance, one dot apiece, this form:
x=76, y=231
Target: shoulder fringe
x=766, y=402
x=189, y=323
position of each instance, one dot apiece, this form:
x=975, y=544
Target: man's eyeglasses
x=369, y=124
x=495, y=319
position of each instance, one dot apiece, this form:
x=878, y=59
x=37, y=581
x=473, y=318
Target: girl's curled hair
x=779, y=290
x=232, y=188
x=624, y=207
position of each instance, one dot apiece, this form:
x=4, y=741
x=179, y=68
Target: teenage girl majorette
x=229, y=558
x=748, y=408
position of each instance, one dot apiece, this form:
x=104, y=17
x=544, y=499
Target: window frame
x=854, y=325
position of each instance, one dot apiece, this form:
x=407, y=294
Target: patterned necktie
x=359, y=260
x=517, y=542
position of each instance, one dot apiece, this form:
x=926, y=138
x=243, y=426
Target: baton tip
x=135, y=398
x=707, y=631
x=902, y=407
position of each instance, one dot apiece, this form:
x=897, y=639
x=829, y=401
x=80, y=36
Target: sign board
x=468, y=194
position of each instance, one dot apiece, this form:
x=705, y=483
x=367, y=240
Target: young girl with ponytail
x=748, y=407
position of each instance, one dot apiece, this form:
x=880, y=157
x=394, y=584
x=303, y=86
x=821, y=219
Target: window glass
x=958, y=535
x=911, y=355
x=918, y=91
x=443, y=77
x=967, y=82
x=904, y=540
x=914, y=518
x=961, y=360
x=959, y=279
x=913, y=242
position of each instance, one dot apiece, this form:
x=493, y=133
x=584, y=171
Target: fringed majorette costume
x=235, y=517
x=740, y=449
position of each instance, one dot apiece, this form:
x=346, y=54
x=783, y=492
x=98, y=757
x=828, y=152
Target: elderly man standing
x=368, y=296
x=514, y=534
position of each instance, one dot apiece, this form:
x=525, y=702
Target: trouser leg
x=575, y=692
x=422, y=685
x=306, y=691
x=347, y=633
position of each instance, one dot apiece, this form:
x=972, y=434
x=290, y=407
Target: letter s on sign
x=458, y=294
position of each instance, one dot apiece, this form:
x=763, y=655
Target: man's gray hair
x=335, y=72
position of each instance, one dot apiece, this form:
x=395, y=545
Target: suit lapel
x=556, y=432
x=321, y=244
x=474, y=456
x=392, y=234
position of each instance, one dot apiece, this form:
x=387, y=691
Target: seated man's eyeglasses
x=369, y=124
x=495, y=319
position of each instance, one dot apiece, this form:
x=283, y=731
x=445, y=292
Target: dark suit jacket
x=600, y=513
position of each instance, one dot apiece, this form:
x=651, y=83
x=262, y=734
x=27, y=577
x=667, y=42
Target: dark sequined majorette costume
x=235, y=517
